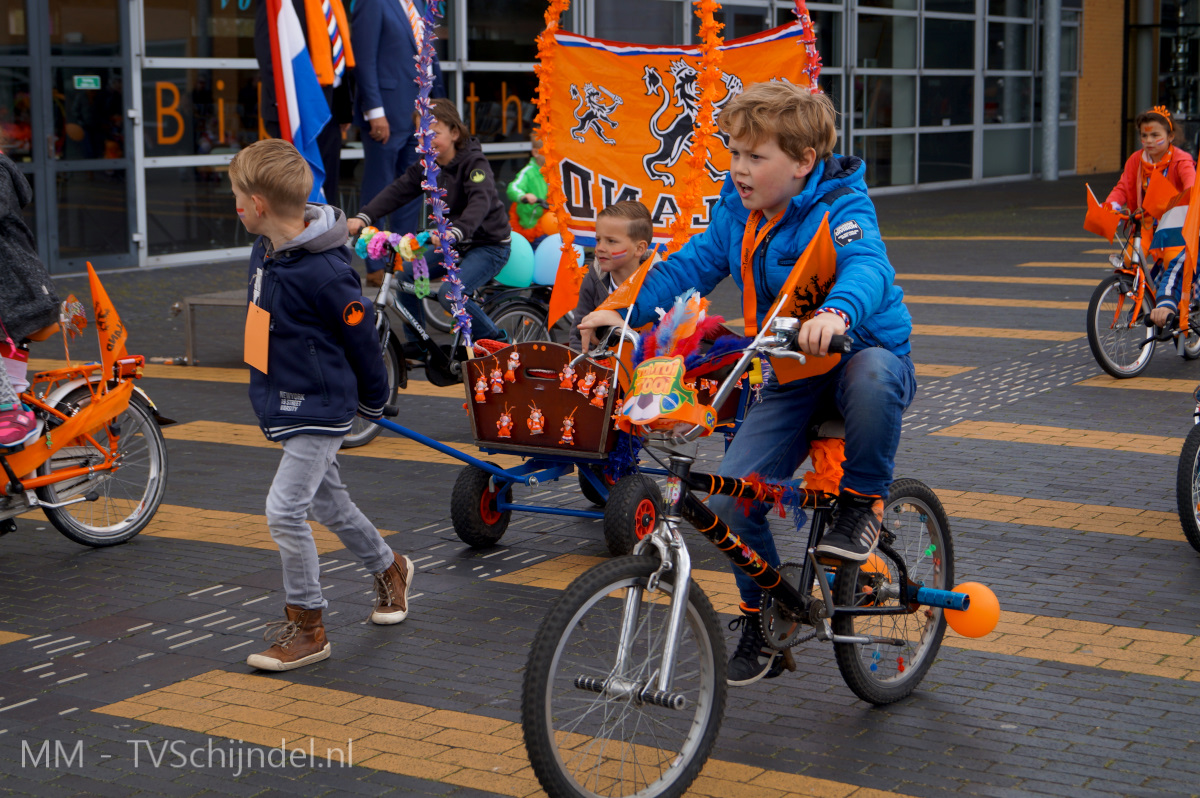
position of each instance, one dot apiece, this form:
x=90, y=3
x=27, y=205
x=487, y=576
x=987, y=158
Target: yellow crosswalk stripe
x=11, y=637
x=1156, y=384
x=1099, y=518
x=979, y=278
x=1063, y=436
x=158, y=371
x=1049, y=264
x=386, y=447
x=933, y=370
x=446, y=746
x=1127, y=649
x=994, y=332
x=979, y=301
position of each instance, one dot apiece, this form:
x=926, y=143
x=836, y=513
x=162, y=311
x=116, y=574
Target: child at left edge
x=783, y=179
x=324, y=364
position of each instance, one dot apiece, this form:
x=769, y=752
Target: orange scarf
x=1149, y=169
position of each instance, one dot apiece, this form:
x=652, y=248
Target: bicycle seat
x=826, y=423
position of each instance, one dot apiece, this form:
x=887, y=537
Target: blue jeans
x=871, y=388
x=307, y=484
x=477, y=267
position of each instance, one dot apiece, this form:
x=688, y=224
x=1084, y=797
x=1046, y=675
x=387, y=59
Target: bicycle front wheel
x=522, y=320
x=1187, y=487
x=362, y=431
x=128, y=495
x=919, y=535
x=616, y=742
x=1115, y=328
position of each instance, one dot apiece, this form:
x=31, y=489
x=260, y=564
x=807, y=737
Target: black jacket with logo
x=324, y=363
x=477, y=214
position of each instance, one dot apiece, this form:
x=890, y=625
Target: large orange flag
x=108, y=324
x=801, y=296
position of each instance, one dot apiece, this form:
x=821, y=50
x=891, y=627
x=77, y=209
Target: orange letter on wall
x=171, y=110
x=505, y=99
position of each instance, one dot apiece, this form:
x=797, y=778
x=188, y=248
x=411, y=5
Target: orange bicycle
x=98, y=469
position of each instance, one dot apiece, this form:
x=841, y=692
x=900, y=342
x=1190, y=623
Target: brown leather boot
x=300, y=640
x=391, y=591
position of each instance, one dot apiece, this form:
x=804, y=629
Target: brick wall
x=1098, y=145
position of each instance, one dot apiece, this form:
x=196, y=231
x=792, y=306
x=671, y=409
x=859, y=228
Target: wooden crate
x=538, y=382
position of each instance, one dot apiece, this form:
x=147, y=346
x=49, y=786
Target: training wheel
x=634, y=508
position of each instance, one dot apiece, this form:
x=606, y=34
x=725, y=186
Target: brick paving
x=1060, y=492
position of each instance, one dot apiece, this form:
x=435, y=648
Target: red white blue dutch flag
x=303, y=111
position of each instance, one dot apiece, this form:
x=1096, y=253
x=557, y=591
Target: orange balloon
x=74, y=132
x=876, y=565
x=548, y=224
x=981, y=617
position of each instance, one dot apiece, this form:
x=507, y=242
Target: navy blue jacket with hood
x=324, y=363
x=863, y=287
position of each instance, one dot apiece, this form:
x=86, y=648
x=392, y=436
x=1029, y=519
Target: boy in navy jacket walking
x=324, y=365
x=783, y=179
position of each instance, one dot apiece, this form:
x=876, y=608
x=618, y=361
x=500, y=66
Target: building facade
x=124, y=113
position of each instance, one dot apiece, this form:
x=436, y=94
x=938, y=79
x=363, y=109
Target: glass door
x=81, y=132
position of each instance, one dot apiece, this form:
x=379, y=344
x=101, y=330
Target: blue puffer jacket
x=863, y=288
x=324, y=363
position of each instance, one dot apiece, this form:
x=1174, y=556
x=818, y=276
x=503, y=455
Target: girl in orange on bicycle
x=1157, y=153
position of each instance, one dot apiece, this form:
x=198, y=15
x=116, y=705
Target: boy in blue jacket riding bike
x=783, y=179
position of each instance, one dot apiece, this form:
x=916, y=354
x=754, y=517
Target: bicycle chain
x=769, y=614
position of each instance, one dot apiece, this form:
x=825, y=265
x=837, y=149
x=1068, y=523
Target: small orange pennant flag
x=109, y=328
x=1191, y=232
x=567, y=281
x=1159, y=194
x=802, y=295
x=1100, y=220
x=626, y=293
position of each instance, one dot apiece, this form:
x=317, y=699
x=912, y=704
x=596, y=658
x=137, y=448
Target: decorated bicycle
x=625, y=685
x=1161, y=235
x=98, y=469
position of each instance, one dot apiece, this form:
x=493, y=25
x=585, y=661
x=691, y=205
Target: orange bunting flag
x=804, y=292
x=1158, y=196
x=109, y=328
x=626, y=293
x=1191, y=232
x=1100, y=220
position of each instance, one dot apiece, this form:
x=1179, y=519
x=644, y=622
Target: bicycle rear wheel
x=521, y=319
x=1115, y=328
x=1187, y=487
x=586, y=743
x=437, y=316
x=919, y=535
x=128, y=496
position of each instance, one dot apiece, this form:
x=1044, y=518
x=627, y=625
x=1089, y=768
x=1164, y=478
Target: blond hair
x=637, y=217
x=794, y=116
x=276, y=171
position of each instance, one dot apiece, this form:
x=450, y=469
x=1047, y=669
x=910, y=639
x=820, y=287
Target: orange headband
x=1162, y=111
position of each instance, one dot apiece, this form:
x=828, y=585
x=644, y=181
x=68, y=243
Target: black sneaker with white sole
x=855, y=528
x=753, y=659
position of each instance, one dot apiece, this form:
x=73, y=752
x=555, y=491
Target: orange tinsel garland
x=570, y=273
x=691, y=198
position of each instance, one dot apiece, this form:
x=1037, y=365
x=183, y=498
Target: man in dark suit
x=385, y=34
